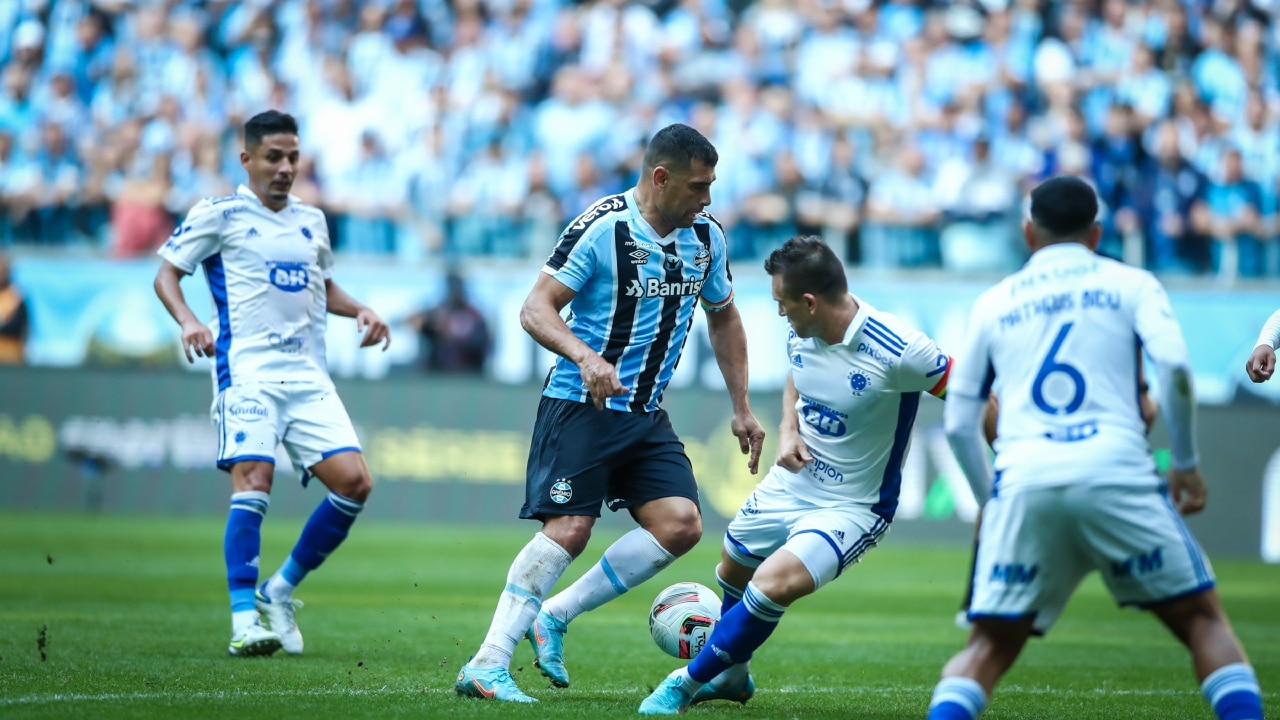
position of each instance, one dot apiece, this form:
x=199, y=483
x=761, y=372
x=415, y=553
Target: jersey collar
x=248, y=194
x=1049, y=252
x=860, y=317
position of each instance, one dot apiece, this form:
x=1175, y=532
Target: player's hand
x=602, y=380
x=1261, y=364
x=750, y=438
x=1187, y=490
x=793, y=454
x=374, y=329
x=197, y=339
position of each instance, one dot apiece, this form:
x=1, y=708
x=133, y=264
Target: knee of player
x=679, y=534
x=784, y=579
x=358, y=488
x=252, y=476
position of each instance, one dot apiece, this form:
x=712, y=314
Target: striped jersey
x=1059, y=342
x=266, y=271
x=857, y=404
x=635, y=295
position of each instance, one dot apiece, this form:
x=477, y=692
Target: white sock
x=243, y=619
x=632, y=559
x=532, y=575
x=277, y=588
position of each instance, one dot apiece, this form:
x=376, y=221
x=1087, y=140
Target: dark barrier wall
x=451, y=449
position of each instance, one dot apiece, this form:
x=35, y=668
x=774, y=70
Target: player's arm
x=1262, y=362
x=793, y=454
x=197, y=340
x=729, y=344
x=968, y=397
x=338, y=302
x=193, y=241
x=1162, y=339
x=540, y=317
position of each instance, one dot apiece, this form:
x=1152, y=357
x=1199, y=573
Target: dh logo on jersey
x=561, y=491
x=290, y=277
x=823, y=420
x=858, y=383
x=248, y=411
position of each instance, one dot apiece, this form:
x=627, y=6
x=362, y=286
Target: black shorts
x=581, y=457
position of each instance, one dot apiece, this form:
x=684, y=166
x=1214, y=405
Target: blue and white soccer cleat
x=489, y=684
x=547, y=636
x=671, y=697
x=737, y=687
x=277, y=616
x=253, y=641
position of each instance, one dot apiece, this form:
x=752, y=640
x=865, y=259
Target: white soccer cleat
x=277, y=615
x=252, y=641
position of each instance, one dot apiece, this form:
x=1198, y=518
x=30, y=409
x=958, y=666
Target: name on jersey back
x=1049, y=305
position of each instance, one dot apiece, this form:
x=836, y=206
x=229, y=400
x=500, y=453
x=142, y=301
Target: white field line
x=60, y=698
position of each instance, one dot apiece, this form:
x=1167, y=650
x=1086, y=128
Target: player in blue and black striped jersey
x=631, y=270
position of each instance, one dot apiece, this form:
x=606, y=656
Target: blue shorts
x=581, y=458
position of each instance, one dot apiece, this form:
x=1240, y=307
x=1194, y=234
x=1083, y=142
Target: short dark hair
x=676, y=146
x=1064, y=206
x=808, y=265
x=271, y=122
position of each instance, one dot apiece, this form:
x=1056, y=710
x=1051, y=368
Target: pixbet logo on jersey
x=288, y=276
x=658, y=288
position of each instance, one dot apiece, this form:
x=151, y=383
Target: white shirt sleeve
x=196, y=238
x=970, y=384
x=1270, y=335
x=1162, y=339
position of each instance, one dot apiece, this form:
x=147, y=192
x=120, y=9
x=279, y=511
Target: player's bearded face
x=272, y=166
x=686, y=193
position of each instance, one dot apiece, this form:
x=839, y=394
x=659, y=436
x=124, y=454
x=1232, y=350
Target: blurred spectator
x=979, y=199
x=15, y=321
x=365, y=199
x=455, y=331
x=139, y=219
x=902, y=215
x=1234, y=223
x=1168, y=204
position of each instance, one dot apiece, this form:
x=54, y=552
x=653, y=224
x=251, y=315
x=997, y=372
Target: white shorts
x=826, y=539
x=1036, y=545
x=308, y=419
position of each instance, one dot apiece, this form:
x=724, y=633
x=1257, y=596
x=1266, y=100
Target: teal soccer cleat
x=671, y=697
x=738, y=688
x=547, y=636
x=489, y=684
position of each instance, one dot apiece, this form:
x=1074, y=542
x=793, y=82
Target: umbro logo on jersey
x=253, y=232
x=639, y=256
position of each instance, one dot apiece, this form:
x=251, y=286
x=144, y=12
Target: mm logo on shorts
x=248, y=411
x=1014, y=573
x=561, y=491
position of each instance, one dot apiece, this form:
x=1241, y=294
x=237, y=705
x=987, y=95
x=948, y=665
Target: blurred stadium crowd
x=905, y=130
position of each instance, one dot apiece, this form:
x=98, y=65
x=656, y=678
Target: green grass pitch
x=127, y=618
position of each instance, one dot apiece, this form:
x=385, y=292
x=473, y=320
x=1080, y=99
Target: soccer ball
x=682, y=617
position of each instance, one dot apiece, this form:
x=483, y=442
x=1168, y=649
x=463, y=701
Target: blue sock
x=324, y=532
x=1233, y=692
x=241, y=544
x=731, y=595
x=957, y=698
x=740, y=631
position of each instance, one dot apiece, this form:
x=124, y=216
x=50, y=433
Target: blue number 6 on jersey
x=1050, y=366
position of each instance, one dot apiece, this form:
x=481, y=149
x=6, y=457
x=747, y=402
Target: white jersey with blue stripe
x=1059, y=341
x=857, y=404
x=636, y=294
x=266, y=271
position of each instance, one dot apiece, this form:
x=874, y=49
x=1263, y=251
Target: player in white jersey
x=269, y=265
x=1075, y=486
x=849, y=405
x=1262, y=362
